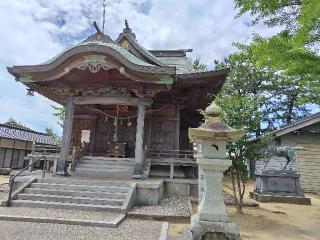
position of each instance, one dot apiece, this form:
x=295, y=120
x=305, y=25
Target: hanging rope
x=124, y=118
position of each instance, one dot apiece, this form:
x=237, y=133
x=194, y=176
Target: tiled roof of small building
x=296, y=125
x=22, y=134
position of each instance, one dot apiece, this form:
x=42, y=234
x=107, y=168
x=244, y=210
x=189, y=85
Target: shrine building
x=127, y=109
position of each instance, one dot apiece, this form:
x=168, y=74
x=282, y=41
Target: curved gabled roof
x=104, y=48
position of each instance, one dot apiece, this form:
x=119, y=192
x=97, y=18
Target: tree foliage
x=60, y=113
x=267, y=98
x=13, y=123
x=198, y=65
x=52, y=134
x=295, y=50
x=300, y=18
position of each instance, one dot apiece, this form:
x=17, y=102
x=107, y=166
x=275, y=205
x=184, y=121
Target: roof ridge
x=131, y=37
x=22, y=129
x=302, y=119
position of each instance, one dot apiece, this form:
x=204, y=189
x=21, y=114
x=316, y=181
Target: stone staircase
x=77, y=194
x=105, y=167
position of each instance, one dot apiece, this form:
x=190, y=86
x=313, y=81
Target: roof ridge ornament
x=128, y=30
x=99, y=36
x=97, y=27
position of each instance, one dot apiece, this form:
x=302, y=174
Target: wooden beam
x=85, y=117
x=110, y=101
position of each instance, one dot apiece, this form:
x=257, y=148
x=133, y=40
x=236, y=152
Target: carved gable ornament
x=94, y=63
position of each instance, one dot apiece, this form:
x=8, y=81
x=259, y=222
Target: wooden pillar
x=62, y=163
x=139, y=138
x=177, y=128
x=93, y=136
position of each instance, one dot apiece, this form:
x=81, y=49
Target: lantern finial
x=213, y=112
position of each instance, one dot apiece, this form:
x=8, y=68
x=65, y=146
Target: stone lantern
x=212, y=220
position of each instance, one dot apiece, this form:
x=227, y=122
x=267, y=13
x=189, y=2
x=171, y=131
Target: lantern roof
x=214, y=128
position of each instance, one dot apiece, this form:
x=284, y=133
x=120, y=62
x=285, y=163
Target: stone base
x=280, y=198
x=207, y=230
x=61, y=173
x=278, y=181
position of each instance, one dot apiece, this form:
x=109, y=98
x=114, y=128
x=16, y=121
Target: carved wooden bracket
x=95, y=67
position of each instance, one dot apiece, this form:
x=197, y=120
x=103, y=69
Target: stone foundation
x=279, y=186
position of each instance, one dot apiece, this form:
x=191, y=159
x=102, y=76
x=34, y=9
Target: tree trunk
x=236, y=198
x=240, y=202
x=291, y=101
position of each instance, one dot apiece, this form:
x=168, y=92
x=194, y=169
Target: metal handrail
x=8, y=202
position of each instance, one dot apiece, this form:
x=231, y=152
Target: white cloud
x=34, y=31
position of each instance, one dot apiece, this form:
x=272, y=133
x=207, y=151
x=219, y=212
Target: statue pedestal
x=279, y=186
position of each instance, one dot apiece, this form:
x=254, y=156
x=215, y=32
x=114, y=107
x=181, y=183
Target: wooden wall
x=163, y=129
x=105, y=131
x=12, y=152
x=309, y=162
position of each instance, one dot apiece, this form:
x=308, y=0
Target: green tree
x=299, y=18
x=60, y=113
x=295, y=50
x=198, y=65
x=13, y=123
x=51, y=133
x=258, y=100
x=274, y=98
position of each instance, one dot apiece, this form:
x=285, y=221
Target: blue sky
x=34, y=31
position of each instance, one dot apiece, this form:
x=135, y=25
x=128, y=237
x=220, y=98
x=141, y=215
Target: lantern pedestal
x=213, y=230
x=212, y=222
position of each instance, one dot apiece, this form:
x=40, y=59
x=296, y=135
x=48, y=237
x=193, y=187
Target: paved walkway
x=58, y=213
x=130, y=229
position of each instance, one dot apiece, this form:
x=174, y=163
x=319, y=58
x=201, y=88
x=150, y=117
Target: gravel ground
x=169, y=206
x=59, y=213
x=130, y=229
x=173, y=206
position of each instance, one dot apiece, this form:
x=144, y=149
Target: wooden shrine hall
x=125, y=106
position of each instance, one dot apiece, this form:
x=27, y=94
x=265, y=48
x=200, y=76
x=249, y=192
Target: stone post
x=212, y=221
x=139, y=139
x=62, y=163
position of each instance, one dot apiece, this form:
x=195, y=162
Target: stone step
x=106, y=162
x=107, y=159
x=118, y=195
x=75, y=206
x=70, y=199
x=75, y=187
x=112, y=223
x=105, y=170
x=105, y=166
x=114, y=175
x=83, y=182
